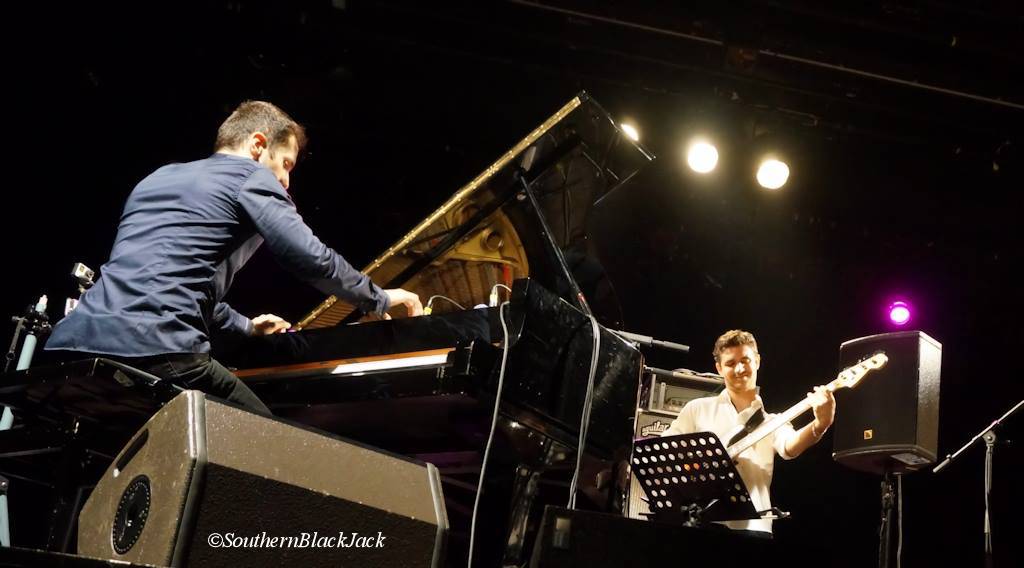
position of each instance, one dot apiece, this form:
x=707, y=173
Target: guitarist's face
x=739, y=366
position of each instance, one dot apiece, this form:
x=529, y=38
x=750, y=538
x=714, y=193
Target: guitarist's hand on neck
x=824, y=405
x=823, y=402
x=738, y=365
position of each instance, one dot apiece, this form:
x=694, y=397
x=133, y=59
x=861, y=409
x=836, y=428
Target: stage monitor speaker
x=208, y=484
x=890, y=421
x=587, y=538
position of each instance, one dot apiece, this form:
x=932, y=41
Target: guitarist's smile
x=738, y=365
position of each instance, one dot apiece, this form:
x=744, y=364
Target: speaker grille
x=131, y=515
x=889, y=422
x=207, y=484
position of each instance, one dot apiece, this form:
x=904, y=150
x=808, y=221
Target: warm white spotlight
x=702, y=157
x=630, y=131
x=772, y=174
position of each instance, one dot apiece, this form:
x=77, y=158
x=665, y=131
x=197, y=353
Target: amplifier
x=668, y=391
x=662, y=396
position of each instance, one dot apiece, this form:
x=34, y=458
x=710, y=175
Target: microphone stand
x=650, y=341
x=34, y=323
x=989, y=436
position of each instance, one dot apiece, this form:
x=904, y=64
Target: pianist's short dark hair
x=733, y=338
x=253, y=116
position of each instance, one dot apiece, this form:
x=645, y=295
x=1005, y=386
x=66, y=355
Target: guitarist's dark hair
x=733, y=338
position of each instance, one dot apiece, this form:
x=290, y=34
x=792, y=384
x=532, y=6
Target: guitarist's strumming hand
x=823, y=402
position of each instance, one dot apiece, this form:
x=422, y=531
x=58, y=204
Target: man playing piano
x=737, y=360
x=185, y=231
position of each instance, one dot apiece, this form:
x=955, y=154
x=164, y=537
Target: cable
x=585, y=418
x=899, y=518
x=493, y=297
x=430, y=302
x=490, y=436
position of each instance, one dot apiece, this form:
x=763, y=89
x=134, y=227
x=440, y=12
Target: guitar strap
x=753, y=422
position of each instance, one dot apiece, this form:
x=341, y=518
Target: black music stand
x=690, y=479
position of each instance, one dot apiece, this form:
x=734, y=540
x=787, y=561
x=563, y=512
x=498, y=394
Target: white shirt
x=717, y=414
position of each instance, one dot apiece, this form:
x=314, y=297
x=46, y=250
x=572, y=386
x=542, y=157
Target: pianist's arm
x=226, y=319
x=299, y=251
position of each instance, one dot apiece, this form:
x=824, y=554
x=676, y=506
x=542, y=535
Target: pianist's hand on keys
x=410, y=300
x=266, y=324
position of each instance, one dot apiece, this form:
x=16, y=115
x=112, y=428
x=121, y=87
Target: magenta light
x=899, y=313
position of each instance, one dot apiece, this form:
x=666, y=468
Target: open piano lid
x=484, y=235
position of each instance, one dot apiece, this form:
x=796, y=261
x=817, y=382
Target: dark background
x=902, y=121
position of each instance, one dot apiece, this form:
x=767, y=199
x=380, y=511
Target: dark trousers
x=195, y=371
x=199, y=371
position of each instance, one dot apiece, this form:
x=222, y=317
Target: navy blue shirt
x=185, y=231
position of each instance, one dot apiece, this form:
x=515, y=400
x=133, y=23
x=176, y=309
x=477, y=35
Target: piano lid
x=485, y=235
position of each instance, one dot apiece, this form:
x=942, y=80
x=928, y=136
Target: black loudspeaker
x=890, y=421
x=207, y=484
x=585, y=538
x=14, y=557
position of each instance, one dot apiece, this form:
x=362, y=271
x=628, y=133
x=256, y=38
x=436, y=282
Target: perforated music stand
x=690, y=479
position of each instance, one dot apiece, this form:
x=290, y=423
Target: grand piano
x=426, y=387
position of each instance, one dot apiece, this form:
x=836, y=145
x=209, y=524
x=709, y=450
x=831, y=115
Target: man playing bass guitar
x=738, y=410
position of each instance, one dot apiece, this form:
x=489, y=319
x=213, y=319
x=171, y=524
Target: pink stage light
x=899, y=313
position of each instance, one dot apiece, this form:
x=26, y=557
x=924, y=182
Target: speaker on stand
x=889, y=424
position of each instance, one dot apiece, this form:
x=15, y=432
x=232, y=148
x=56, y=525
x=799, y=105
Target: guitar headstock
x=850, y=376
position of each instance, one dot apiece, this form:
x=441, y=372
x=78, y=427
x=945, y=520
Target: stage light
x=702, y=156
x=630, y=131
x=772, y=173
x=899, y=313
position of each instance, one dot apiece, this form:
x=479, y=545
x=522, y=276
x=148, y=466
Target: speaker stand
x=885, y=529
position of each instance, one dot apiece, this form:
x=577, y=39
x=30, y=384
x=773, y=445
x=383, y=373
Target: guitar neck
x=848, y=377
x=769, y=426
